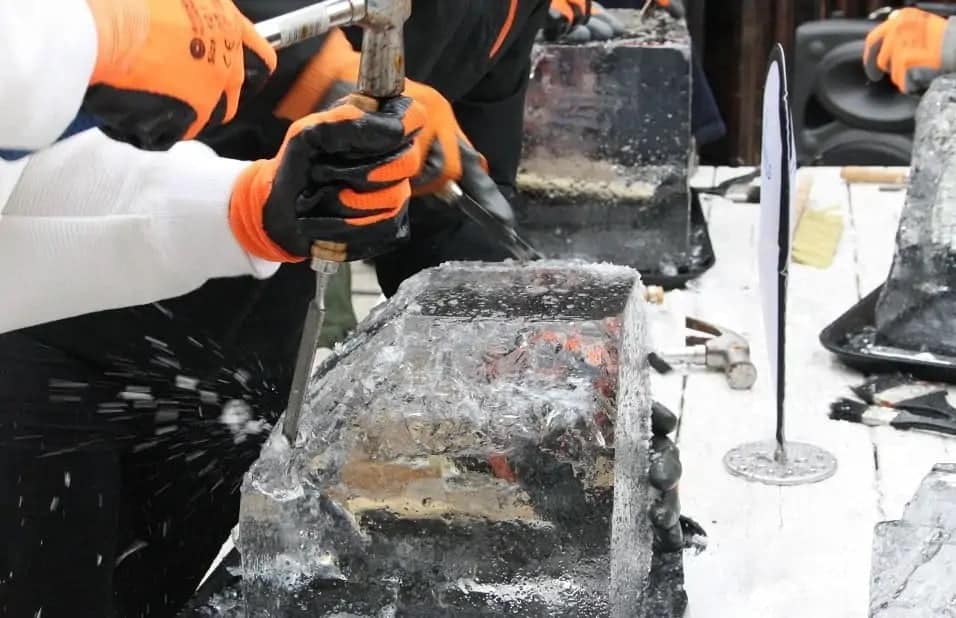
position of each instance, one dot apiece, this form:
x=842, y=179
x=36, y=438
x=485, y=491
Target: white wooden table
x=790, y=551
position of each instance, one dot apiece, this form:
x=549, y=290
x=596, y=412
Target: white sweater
x=89, y=224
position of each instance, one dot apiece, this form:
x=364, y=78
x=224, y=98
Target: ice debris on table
x=458, y=456
x=914, y=559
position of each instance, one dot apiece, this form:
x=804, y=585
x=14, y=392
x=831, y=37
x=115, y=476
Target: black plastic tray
x=859, y=316
x=700, y=234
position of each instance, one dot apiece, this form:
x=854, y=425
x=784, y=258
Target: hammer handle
x=875, y=175
x=382, y=66
x=309, y=21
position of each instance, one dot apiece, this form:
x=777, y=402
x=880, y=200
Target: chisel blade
x=308, y=345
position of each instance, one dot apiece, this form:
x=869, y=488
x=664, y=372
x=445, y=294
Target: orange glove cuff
x=249, y=196
x=335, y=62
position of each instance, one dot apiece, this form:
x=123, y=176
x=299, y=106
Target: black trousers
x=119, y=470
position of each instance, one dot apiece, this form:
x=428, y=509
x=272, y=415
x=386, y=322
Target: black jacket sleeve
x=492, y=113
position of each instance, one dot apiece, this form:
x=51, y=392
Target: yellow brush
x=818, y=231
x=818, y=235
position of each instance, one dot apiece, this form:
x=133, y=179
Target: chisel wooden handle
x=875, y=175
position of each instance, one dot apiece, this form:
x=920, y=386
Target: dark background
x=733, y=39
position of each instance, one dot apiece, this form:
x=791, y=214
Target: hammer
x=381, y=77
x=723, y=349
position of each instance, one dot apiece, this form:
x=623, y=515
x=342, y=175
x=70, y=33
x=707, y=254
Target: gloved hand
x=444, y=150
x=167, y=69
x=674, y=7
x=448, y=155
x=338, y=189
x=665, y=472
x=580, y=21
x=913, y=47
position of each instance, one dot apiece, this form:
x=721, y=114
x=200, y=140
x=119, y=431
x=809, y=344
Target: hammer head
x=731, y=353
x=386, y=14
x=382, y=70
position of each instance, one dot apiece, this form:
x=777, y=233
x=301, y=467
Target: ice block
x=914, y=559
x=917, y=308
x=465, y=454
x=607, y=147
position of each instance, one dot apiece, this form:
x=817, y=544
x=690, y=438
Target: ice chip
x=914, y=559
x=235, y=414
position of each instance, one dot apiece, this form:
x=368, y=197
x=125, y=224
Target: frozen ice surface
x=914, y=559
x=917, y=309
x=607, y=147
x=458, y=457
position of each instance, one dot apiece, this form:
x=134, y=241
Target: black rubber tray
x=700, y=237
x=861, y=315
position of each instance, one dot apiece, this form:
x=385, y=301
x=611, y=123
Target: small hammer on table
x=723, y=349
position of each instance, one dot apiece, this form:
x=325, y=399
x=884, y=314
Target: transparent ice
x=917, y=309
x=607, y=147
x=459, y=453
x=914, y=559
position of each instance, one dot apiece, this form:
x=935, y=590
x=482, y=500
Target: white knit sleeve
x=93, y=224
x=48, y=49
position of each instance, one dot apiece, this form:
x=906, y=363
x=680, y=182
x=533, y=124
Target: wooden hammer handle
x=875, y=175
x=363, y=102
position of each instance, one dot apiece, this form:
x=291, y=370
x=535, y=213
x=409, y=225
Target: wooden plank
x=874, y=220
x=703, y=177
x=798, y=551
x=665, y=325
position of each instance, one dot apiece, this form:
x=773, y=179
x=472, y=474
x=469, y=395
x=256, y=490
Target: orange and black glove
x=674, y=7
x=444, y=150
x=338, y=189
x=912, y=47
x=166, y=69
x=448, y=155
x=580, y=21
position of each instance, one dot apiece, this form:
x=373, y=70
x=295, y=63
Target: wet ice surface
x=914, y=559
x=607, y=147
x=866, y=340
x=917, y=308
x=459, y=456
x=666, y=595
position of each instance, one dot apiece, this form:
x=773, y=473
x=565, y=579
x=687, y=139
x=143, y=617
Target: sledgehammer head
x=382, y=69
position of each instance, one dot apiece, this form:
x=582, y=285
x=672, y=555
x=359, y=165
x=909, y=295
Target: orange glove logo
x=166, y=69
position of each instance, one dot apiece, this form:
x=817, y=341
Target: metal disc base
x=757, y=462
